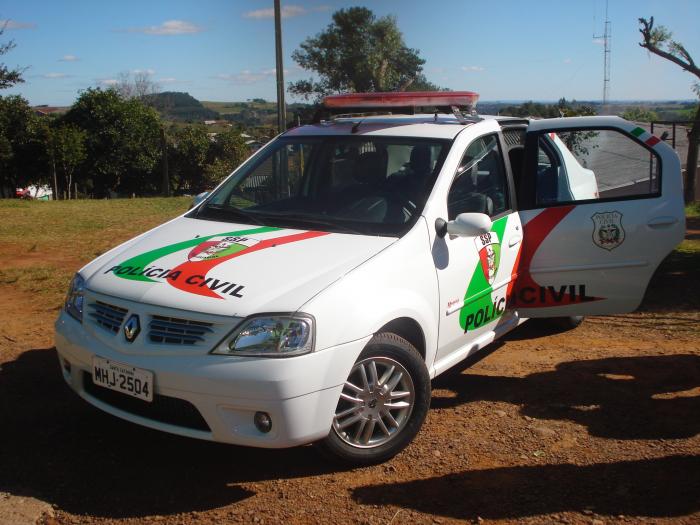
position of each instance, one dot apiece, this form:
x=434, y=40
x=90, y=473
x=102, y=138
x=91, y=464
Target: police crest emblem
x=220, y=247
x=608, y=232
x=489, y=249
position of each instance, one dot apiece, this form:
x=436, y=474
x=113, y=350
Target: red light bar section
x=402, y=99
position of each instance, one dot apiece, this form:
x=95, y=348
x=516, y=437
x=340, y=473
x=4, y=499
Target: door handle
x=515, y=239
x=662, y=222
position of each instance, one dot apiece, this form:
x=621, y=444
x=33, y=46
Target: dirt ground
x=597, y=425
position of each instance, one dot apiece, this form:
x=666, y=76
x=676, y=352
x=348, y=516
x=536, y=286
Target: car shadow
x=56, y=447
x=646, y=397
x=662, y=487
x=675, y=284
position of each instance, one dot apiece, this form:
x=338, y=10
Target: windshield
x=366, y=185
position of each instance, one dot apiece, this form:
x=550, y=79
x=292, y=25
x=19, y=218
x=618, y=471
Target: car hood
x=230, y=269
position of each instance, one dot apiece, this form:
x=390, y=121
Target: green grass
x=48, y=281
x=84, y=228
x=232, y=108
x=692, y=211
x=43, y=243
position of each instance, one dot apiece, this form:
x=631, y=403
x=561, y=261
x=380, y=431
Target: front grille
x=164, y=409
x=174, y=331
x=107, y=316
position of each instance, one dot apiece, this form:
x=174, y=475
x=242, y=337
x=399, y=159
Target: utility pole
x=165, y=180
x=279, y=65
x=607, y=37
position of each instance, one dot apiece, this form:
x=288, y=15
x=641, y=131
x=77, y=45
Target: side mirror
x=198, y=199
x=465, y=225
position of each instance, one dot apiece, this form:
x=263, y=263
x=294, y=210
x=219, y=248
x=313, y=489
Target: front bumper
x=299, y=393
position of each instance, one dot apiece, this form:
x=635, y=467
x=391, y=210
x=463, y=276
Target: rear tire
x=383, y=404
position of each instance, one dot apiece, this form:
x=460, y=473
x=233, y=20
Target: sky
x=224, y=50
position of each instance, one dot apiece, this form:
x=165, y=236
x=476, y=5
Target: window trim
x=505, y=169
x=528, y=190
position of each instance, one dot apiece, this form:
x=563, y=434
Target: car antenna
x=356, y=126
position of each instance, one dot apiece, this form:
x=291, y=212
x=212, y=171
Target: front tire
x=567, y=323
x=383, y=403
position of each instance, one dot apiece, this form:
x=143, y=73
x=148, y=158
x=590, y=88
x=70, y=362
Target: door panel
x=475, y=273
x=606, y=207
x=476, y=285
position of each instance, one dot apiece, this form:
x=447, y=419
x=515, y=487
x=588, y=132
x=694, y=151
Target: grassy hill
x=255, y=112
x=173, y=105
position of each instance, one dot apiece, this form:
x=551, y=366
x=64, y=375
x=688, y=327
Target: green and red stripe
x=652, y=141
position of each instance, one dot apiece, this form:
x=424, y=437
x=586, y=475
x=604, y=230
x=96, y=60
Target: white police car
x=315, y=293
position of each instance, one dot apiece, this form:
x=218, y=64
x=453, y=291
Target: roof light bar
x=402, y=99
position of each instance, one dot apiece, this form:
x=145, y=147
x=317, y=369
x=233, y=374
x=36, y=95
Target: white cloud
x=287, y=11
x=472, y=68
x=171, y=80
x=55, y=75
x=169, y=27
x=249, y=77
x=599, y=41
x=13, y=24
x=68, y=58
x=567, y=61
x=143, y=71
x=107, y=81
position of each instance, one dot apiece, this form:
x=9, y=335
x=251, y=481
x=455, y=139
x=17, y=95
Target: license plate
x=123, y=378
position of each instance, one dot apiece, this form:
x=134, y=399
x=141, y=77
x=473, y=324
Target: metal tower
x=607, y=37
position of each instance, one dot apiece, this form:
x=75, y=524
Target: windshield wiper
x=310, y=218
x=228, y=210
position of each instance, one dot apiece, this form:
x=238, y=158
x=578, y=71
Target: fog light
x=262, y=422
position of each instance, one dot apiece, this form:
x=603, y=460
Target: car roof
x=439, y=126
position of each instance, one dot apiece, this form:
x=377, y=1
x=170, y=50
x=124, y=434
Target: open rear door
x=601, y=205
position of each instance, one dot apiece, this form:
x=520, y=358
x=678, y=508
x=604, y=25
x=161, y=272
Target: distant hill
x=255, y=112
x=173, y=105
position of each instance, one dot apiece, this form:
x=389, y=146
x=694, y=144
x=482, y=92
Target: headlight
x=74, y=299
x=270, y=336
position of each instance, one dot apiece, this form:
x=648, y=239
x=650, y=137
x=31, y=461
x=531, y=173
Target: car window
x=374, y=185
x=552, y=179
x=593, y=164
x=480, y=183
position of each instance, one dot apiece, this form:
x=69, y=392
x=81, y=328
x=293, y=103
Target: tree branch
x=652, y=39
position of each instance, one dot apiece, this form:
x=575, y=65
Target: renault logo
x=132, y=327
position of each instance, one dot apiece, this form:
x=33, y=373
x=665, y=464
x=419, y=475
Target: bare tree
x=141, y=85
x=8, y=77
x=659, y=40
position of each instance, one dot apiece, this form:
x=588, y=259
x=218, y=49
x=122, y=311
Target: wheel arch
x=410, y=330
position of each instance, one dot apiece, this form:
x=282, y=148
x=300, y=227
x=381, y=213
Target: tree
x=8, y=77
x=21, y=145
x=229, y=151
x=188, y=155
x=66, y=146
x=122, y=143
x=198, y=161
x=140, y=86
x=563, y=108
x=659, y=41
x=358, y=52
x=638, y=114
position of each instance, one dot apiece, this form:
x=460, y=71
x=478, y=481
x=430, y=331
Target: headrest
x=370, y=167
x=420, y=159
